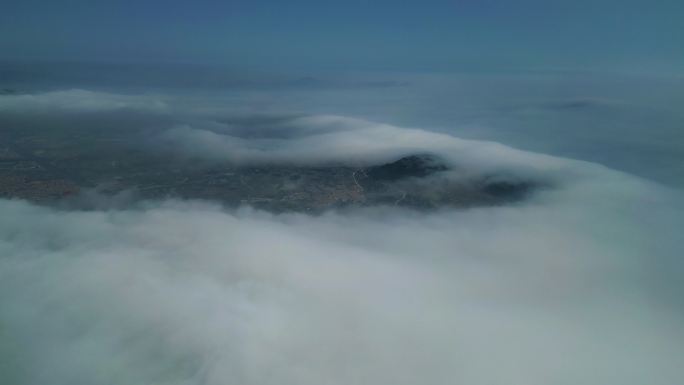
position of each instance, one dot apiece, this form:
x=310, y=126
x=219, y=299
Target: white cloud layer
x=78, y=100
x=579, y=285
x=337, y=139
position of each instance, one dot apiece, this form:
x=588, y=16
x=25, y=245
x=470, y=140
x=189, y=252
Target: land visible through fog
x=51, y=166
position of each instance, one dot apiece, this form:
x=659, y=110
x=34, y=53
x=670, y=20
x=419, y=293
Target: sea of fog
x=579, y=284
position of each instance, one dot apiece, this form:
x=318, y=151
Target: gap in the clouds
x=72, y=146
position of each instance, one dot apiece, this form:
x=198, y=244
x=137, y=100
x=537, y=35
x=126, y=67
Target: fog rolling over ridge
x=262, y=192
x=578, y=282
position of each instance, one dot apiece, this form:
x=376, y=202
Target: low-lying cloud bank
x=166, y=124
x=578, y=285
x=76, y=100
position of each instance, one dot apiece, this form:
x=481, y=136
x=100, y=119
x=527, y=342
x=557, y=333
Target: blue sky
x=638, y=36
